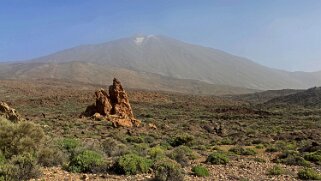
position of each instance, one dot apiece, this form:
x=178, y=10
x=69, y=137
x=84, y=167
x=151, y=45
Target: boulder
x=9, y=113
x=152, y=126
x=119, y=122
x=98, y=116
x=113, y=105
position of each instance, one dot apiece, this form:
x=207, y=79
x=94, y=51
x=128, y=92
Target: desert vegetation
x=181, y=137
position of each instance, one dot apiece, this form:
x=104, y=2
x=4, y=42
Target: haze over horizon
x=270, y=33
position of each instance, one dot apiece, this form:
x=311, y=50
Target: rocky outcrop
x=9, y=113
x=114, y=106
x=119, y=100
x=103, y=105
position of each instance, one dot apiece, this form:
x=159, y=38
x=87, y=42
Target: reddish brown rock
x=152, y=126
x=118, y=122
x=119, y=100
x=103, y=105
x=9, y=113
x=114, y=105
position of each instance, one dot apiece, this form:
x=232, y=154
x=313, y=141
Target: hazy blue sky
x=283, y=34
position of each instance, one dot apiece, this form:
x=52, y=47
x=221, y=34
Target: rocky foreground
x=242, y=169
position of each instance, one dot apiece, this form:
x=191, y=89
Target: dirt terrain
x=211, y=123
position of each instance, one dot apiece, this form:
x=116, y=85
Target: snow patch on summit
x=139, y=40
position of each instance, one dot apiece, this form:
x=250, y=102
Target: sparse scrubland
x=196, y=137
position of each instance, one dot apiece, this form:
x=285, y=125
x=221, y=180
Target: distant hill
x=102, y=75
x=307, y=98
x=159, y=62
x=264, y=96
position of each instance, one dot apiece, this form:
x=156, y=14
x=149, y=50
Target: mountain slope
x=173, y=58
x=162, y=56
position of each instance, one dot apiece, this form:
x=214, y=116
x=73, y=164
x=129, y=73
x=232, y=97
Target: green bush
x=281, y=146
x=19, y=145
x=156, y=152
x=242, y=151
x=113, y=148
x=200, y=171
x=132, y=164
x=135, y=139
x=140, y=149
x=218, y=158
x=259, y=146
x=292, y=158
x=181, y=140
x=168, y=170
x=20, y=167
x=226, y=141
x=87, y=161
x=51, y=156
x=276, y=170
x=314, y=157
x=284, y=146
x=69, y=144
x=2, y=158
x=182, y=155
x=272, y=149
x=18, y=138
x=309, y=174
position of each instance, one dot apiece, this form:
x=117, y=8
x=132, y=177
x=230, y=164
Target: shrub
x=292, y=158
x=314, y=157
x=21, y=167
x=281, y=146
x=182, y=155
x=242, y=151
x=181, y=140
x=87, y=161
x=168, y=170
x=140, y=149
x=18, y=138
x=19, y=143
x=226, y=141
x=51, y=156
x=132, y=164
x=149, y=139
x=156, y=152
x=200, y=171
x=272, y=149
x=113, y=148
x=2, y=158
x=69, y=144
x=276, y=170
x=259, y=146
x=309, y=174
x=218, y=158
x=135, y=139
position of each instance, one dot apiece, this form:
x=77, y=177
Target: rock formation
x=9, y=113
x=114, y=106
